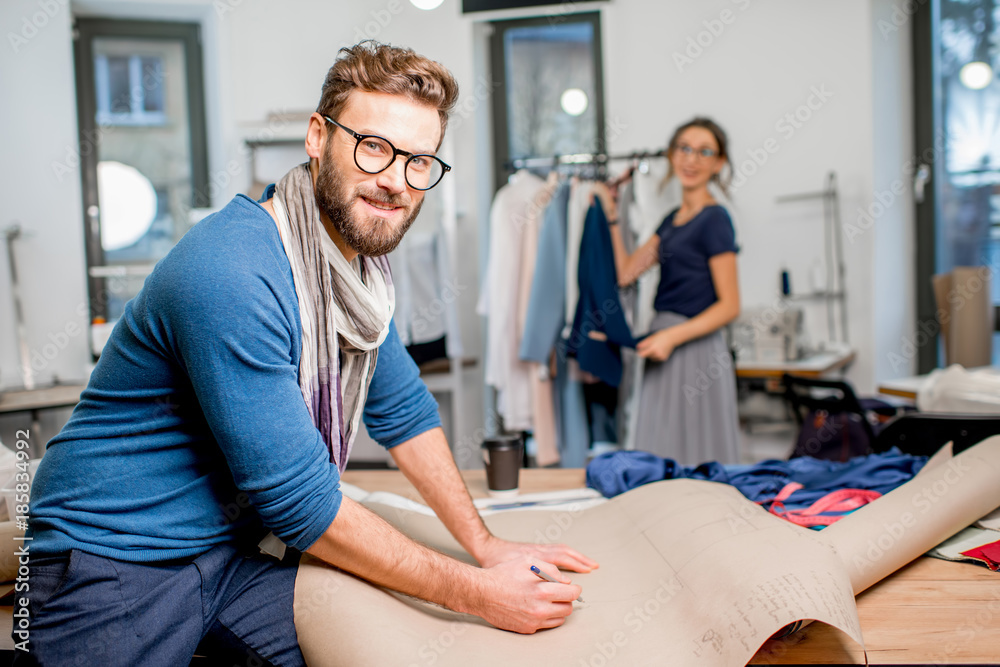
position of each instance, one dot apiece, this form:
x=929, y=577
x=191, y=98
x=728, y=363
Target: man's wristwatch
x=612, y=223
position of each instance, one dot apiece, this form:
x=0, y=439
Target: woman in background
x=687, y=408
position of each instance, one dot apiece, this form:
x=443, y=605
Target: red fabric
x=988, y=553
x=841, y=501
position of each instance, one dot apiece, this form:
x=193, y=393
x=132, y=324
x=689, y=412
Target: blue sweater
x=192, y=431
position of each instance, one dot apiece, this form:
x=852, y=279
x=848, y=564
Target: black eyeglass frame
x=396, y=152
x=703, y=153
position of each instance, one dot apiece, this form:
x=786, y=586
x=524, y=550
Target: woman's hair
x=720, y=139
x=380, y=68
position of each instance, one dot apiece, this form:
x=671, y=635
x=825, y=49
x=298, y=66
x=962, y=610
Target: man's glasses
x=373, y=154
x=703, y=153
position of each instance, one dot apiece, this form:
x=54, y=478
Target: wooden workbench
x=533, y=480
x=909, y=387
x=34, y=401
x=23, y=400
x=814, y=366
x=931, y=611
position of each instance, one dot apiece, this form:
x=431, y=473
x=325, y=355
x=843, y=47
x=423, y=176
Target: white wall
x=749, y=64
x=758, y=62
x=265, y=56
x=42, y=193
x=895, y=289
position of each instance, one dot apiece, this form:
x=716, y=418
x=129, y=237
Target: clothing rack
x=533, y=162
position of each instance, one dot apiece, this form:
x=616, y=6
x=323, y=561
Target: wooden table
x=813, y=366
x=931, y=611
x=59, y=396
x=907, y=387
x=36, y=400
x=532, y=480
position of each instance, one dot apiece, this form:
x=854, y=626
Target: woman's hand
x=603, y=193
x=658, y=346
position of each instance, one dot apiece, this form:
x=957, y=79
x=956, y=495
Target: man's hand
x=427, y=462
x=499, y=551
x=505, y=591
x=514, y=598
x=508, y=595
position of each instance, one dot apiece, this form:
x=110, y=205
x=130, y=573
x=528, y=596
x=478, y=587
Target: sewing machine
x=768, y=334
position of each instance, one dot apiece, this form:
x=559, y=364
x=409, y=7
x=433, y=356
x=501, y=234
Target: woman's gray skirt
x=687, y=410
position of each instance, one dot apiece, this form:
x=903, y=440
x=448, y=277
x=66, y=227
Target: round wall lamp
x=574, y=101
x=128, y=204
x=976, y=75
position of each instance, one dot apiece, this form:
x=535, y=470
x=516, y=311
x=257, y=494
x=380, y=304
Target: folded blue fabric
x=616, y=472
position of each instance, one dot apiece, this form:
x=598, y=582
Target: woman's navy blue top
x=686, y=284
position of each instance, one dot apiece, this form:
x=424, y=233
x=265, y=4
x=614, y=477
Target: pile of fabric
x=807, y=491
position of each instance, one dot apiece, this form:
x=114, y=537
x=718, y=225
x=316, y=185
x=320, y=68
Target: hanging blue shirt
x=599, y=308
x=686, y=286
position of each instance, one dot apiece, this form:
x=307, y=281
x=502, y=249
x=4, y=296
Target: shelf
x=814, y=296
x=832, y=245
x=121, y=270
x=806, y=195
x=278, y=141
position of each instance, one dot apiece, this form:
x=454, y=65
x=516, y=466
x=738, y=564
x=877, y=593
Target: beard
x=370, y=236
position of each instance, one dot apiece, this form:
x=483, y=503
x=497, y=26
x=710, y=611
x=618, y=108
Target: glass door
x=957, y=180
x=142, y=148
x=550, y=91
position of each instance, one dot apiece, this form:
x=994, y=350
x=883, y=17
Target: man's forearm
x=508, y=595
x=427, y=462
x=362, y=543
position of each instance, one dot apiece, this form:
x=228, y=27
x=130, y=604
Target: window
x=957, y=102
x=550, y=93
x=143, y=161
x=129, y=89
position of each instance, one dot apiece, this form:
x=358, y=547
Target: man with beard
x=226, y=403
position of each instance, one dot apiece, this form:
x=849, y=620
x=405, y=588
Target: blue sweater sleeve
x=399, y=405
x=230, y=329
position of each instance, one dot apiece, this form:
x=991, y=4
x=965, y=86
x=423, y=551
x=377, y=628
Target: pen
x=542, y=575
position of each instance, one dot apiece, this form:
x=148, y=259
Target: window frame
x=498, y=72
x=137, y=115
x=926, y=113
x=85, y=31
x=929, y=133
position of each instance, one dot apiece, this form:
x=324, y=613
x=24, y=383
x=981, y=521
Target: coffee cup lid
x=503, y=441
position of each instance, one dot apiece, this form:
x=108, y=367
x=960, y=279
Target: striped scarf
x=345, y=309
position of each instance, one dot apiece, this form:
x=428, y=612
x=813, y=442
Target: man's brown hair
x=381, y=68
